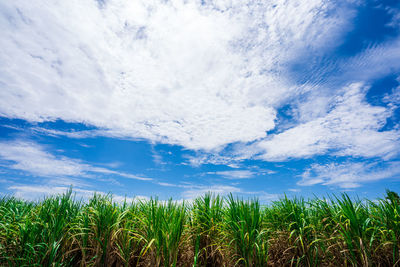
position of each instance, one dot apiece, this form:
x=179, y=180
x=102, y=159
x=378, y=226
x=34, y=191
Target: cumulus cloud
x=349, y=174
x=200, y=75
x=33, y=158
x=340, y=124
x=352, y=127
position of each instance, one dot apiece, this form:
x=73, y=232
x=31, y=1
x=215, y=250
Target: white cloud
x=395, y=21
x=33, y=158
x=264, y=196
x=241, y=174
x=122, y=174
x=197, y=191
x=374, y=62
x=295, y=190
x=36, y=192
x=236, y=174
x=168, y=184
x=351, y=128
x=209, y=158
x=342, y=124
x=193, y=191
x=70, y=134
x=348, y=175
x=179, y=72
x=393, y=99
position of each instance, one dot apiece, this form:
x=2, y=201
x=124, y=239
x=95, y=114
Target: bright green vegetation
x=210, y=231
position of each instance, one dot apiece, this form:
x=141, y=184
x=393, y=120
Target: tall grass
x=209, y=231
x=298, y=220
x=246, y=236
x=204, y=224
x=162, y=226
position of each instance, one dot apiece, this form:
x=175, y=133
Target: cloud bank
x=210, y=76
x=351, y=127
x=350, y=174
x=199, y=75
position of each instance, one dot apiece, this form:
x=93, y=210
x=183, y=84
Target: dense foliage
x=210, y=231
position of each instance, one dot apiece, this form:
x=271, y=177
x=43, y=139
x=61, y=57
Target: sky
x=175, y=98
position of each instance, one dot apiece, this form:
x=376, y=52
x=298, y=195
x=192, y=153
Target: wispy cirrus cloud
x=191, y=191
x=235, y=174
x=349, y=174
x=351, y=127
x=393, y=98
x=197, y=191
x=240, y=174
x=33, y=158
x=36, y=192
x=376, y=61
x=223, y=190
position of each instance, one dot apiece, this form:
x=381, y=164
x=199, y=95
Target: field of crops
x=210, y=231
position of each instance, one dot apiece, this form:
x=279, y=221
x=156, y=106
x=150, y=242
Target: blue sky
x=177, y=98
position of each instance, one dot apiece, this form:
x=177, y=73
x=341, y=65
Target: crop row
x=209, y=231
